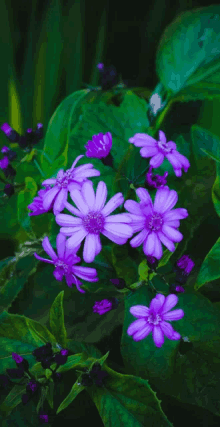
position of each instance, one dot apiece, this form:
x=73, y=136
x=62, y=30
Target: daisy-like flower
x=154, y=319
x=64, y=263
x=37, y=205
x=70, y=180
x=160, y=149
x=157, y=222
x=102, y=307
x=100, y=146
x=92, y=219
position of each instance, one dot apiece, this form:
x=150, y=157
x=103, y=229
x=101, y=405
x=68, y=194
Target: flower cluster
x=93, y=377
x=43, y=354
x=156, y=222
x=25, y=142
x=182, y=268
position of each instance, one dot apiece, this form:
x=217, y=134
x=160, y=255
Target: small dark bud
x=23, y=143
x=4, y=381
x=11, y=134
x=43, y=352
x=10, y=171
x=61, y=357
x=43, y=417
x=108, y=160
x=9, y=190
x=152, y=262
x=118, y=283
x=32, y=387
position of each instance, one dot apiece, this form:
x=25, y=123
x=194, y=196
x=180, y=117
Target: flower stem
x=38, y=167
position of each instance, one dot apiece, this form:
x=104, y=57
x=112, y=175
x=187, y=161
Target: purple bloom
x=92, y=219
x=64, y=263
x=180, y=289
x=20, y=361
x=9, y=153
x=100, y=146
x=108, y=76
x=154, y=319
x=32, y=387
x=11, y=134
x=152, y=262
x=157, y=222
x=43, y=417
x=4, y=163
x=61, y=358
x=118, y=283
x=185, y=264
x=100, y=66
x=37, y=205
x=102, y=307
x=70, y=180
x=160, y=149
x=155, y=181
x=9, y=190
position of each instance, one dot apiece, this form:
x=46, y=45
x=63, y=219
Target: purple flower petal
x=121, y=230
x=101, y=196
x=169, y=303
x=139, y=311
x=79, y=201
x=144, y=196
x=136, y=326
x=114, y=238
x=157, y=160
x=89, y=250
x=157, y=303
x=160, y=199
x=148, y=151
x=174, y=315
x=139, y=239
x=142, y=139
x=88, y=194
x=112, y=204
x=123, y=217
x=166, y=242
x=49, y=197
x=43, y=259
x=76, y=239
x=143, y=333
x=162, y=137
x=133, y=207
x=60, y=200
x=172, y=233
x=48, y=248
x=68, y=220
x=178, y=213
x=60, y=244
x=158, y=336
x=167, y=329
x=73, y=210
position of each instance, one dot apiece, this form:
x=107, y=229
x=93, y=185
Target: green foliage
x=12, y=400
x=58, y=132
x=162, y=365
x=57, y=320
x=25, y=197
x=210, y=269
x=127, y=400
x=14, y=276
x=188, y=53
x=125, y=265
x=75, y=390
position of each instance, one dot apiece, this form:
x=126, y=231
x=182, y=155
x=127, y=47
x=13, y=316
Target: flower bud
x=105, y=305
x=43, y=416
x=152, y=262
x=32, y=387
x=61, y=357
x=118, y=283
x=4, y=381
x=9, y=190
x=11, y=134
x=10, y=171
x=20, y=361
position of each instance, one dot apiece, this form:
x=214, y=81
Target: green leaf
x=216, y=190
x=50, y=393
x=48, y=50
x=10, y=345
x=210, y=269
x=73, y=362
x=198, y=92
x=57, y=320
x=57, y=135
x=25, y=197
x=125, y=265
x=205, y=141
x=12, y=400
x=127, y=400
x=200, y=324
x=208, y=153
x=20, y=328
x=75, y=390
x=79, y=347
x=17, y=276
x=188, y=52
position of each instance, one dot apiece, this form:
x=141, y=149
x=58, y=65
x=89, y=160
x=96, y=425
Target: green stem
x=38, y=167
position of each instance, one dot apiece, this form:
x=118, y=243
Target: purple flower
x=64, y=263
x=180, y=289
x=185, y=264
x=4, y=163
x=152, y=262
x=108, y=76
x=43, y=351
x=92, y=219
x=102, y=307
x=20, y=361
x=9, y=190
x=154, y=319
x=70, y=180
x=100, y=66
x=118, y=283
x=11, y=134
x=9, y=153
x=160, y=149
x=157, y=222
x=100, y=146
x=155, y=181
x=37, y=205
x=61, y=358
x=43, y=417
x=32, y=387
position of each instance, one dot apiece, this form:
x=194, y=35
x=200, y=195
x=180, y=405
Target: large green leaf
x=210, y=269
x=57, y=136
x=57, y=320
x=75, y=390
x=47, y=62
x=15, y=279
x=12, y=400
x=127, y=400
x=25, y=197
x=123, y=122
x=188, y=52
x=205, y=145
x=125, y=260
x=200, y=324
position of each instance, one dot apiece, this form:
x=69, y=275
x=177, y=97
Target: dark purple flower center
x=164, y=147
x=154, y=222
x=64, y=181
x=154, y=318
x=94, y=222
x=61, y=264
